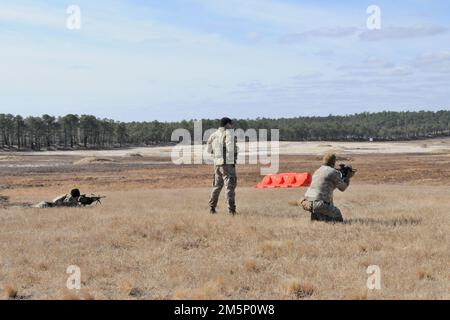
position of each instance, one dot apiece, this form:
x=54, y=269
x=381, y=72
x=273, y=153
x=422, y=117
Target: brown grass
x=300, y=290
x=424, y=275
x=251, y=265
x=357, y=295
x=44, y=176
x=83, y=294
x=208, y=291
x=70, y=295
x=150, y=240
x=156, y=244
x=86, y=295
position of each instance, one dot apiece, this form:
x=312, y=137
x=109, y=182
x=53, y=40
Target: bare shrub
x=251, y=265
x=300, y=290
x=10, y=292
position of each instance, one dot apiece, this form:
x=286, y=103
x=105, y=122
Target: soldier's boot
x=212, y=210
x=326, y=212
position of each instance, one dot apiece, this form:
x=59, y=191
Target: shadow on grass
x=396, y=222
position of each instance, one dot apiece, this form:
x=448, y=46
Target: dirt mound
x=134, y=155
x=8, y=158
x=3, y=201
x=443, y=151
x=338, y=157
x=93, y=160
x=325, y=146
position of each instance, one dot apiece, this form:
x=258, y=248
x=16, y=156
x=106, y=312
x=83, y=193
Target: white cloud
x=369, y=63
x=398, y=71
x=37, y=16
x=436, y=61
x=375, y=68
x=307, y=75
x=168, y=69
x=336, y=32
x=283, y=14
x=397, y=33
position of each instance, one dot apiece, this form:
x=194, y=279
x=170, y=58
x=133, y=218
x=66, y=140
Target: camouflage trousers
x=44, y=205
x=224, y=175
x=324, y=211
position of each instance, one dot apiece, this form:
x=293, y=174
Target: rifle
x=347, y=171
x=87, y=201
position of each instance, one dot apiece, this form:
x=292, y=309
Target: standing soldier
x=222, y=145
x=319, y=197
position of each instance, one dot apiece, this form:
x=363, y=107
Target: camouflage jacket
x=65, y=200
x=222, y=145
x=324, y=181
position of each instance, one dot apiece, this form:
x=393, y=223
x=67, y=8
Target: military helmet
x=75, y=193
x=329, y=159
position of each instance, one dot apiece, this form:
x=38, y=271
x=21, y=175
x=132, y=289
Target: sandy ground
x=289, y=148
x=43, y=176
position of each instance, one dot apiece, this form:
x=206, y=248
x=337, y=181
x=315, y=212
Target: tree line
x=87, y=131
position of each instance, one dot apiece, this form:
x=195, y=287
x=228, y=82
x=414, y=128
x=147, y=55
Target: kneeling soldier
x=319, y=197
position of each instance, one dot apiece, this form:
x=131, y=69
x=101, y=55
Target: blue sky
x=186, y=59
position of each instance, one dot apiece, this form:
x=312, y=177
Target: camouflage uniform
x=65, y=200
x=320, y=194
x=222, y=145
x=224, y=175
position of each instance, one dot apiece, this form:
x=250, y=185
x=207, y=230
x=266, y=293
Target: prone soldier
x=72, y=199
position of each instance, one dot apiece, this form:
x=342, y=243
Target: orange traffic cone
x=285, y=180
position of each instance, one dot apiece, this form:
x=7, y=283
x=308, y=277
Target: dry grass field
x=153, y=237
